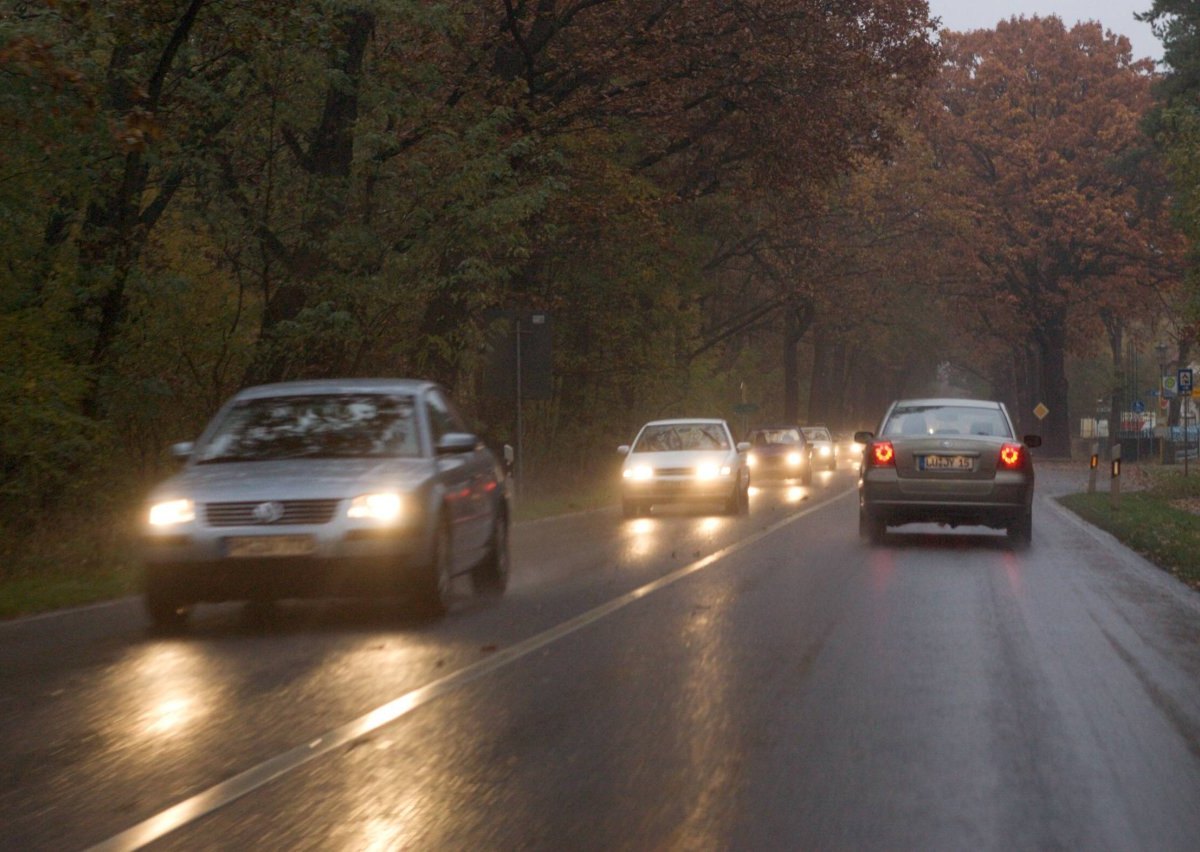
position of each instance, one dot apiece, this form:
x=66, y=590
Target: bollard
x=1095, y=466
x=1115, y=489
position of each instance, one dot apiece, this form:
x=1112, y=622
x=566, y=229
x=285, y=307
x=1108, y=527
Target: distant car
x=327, y=488
x=946, y=461
x=824, y=448
x=781, y=453
x=684, y=461
x=848, y=449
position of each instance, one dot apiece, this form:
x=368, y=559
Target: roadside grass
x=1160, y=521
x=548, y=501
x=65, y=565
x=70, y=563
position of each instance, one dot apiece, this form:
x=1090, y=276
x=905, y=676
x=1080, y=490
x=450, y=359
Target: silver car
x=684, y=461
x=354, y=487
x=947, y=461
x=822, y=447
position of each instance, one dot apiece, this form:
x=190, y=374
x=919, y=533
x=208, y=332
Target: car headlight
x=824, y=451
x=638, y=473
x=751, y=459
x=793, y=459
x=170, y=513
x=712, y=471
x=385, y=507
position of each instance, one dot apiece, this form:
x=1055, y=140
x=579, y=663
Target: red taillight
x=1010, y=456
x=883, y=454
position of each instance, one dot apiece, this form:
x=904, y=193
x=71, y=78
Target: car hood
x=293, y=479
x=682, y=458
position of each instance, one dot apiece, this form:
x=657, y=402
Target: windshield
x=766, y=437
x=681, y=436
x=918, y=420
x=817, y=433
x=318, y=426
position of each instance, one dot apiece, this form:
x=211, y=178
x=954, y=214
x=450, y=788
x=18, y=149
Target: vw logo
x=945, y=445
x=269, y=512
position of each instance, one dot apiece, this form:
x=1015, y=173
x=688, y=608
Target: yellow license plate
x=946, y=463
x=241, y=547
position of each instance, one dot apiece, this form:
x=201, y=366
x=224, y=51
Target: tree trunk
x=1056, y=437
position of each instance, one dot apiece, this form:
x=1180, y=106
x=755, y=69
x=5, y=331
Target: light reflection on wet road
x=721, y=682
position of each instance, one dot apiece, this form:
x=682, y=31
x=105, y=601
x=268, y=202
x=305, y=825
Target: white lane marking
x=218, y=796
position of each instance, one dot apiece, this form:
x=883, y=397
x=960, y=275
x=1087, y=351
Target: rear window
x=918, y=420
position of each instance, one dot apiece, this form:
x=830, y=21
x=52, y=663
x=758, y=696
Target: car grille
x=675, y=471
x=294, y=512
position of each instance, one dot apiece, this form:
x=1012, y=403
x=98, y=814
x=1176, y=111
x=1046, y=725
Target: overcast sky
x=1115, y=15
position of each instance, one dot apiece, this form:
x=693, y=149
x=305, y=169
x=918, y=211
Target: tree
x=1036, y=118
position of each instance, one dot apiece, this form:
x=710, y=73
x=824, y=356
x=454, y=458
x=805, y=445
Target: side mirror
x=864, y=437
x=743, y=446
x=183, y=450
x=1032, y=440
x=623, y=449
x=456, y=443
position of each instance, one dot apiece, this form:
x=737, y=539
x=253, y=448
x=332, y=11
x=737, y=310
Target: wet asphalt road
x=685, y=681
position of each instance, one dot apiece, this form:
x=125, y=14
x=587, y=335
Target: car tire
x=744, y=500
x=733, y=503
x=434, y=580
x=1020, y=532
x=490, y=576
x=871, y=527
x=632, y=508
x=167, y=608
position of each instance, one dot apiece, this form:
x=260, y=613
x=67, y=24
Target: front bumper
x=679, y=490
x=198, y=566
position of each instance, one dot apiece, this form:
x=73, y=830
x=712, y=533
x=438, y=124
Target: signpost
x=1183, y=379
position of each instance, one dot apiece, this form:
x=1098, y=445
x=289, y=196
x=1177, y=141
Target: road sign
x=1170, y=387
x=1040, y=411
x=745, y=408
x=1185, y=381
x=1138, y=406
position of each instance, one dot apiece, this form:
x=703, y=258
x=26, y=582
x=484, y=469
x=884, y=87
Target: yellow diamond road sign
x=1041, y=411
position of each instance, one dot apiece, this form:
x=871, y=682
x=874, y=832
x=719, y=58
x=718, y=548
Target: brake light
x=883, y=454
x=1011, y=456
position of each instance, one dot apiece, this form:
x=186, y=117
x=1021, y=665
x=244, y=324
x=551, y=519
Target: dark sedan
x=947, y=461
x=780, y=453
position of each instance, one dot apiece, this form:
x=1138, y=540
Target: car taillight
x=1011, y=457
x=883, y=454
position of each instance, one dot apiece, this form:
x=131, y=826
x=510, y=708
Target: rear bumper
x=995, y=504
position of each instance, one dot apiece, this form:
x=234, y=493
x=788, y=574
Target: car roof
x=678, y=421
x=327, y=386
x=950, y=400
x=774, y=428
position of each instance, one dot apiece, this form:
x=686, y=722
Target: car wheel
x=490, y=577
x=743, y=507
x=733, y=503
x=870, y=527
x=632, y=508
x=1020, y=532
x=434, y=580
x=166, y=606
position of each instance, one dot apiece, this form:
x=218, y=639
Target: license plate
x=241, y=547
x=945, y=462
